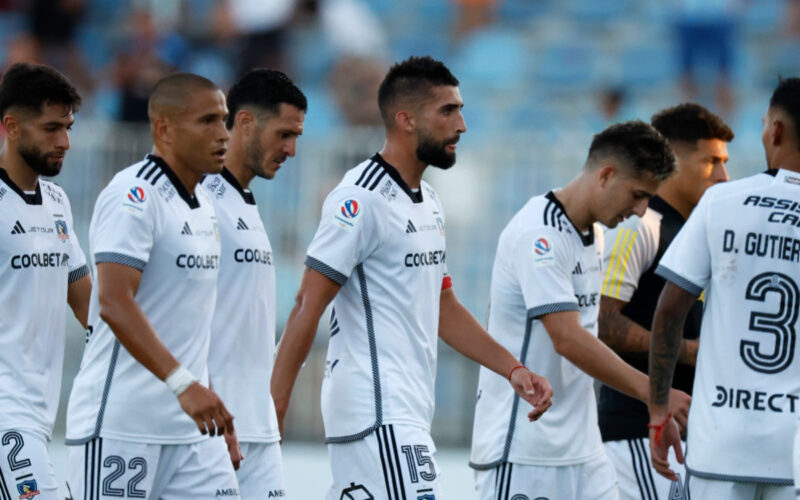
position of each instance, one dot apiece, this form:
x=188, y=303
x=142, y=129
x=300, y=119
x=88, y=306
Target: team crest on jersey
x=426, y=496
x=541, y=252
x=356, y=492
x=28, y=489
x=347, y=215
x=61, y=230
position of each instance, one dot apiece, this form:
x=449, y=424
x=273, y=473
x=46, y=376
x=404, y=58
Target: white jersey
x=147, y=220
x=742, y=246
x=543, y=265
x=39, y=257
x=385, y=245
x=243, y=329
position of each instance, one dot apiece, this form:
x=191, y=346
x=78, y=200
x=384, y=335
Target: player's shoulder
x=361, y=183
x=53, y=192
x=724, y=190
x=214, y=185
x=536, y=220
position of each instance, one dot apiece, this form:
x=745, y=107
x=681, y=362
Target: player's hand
x=206, y=409
x=679, y=403
x=234, y=449
x=659, y=452
x=534, y=389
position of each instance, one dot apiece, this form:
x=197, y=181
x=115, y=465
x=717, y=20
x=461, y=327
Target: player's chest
x=34, y=232
x=415, y=237
x=245, y=243
x=587, y=276
x=189, y=239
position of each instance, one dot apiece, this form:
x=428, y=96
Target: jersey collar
x=247, y=195
x=30, y=199
x=586, y=239
x=660, y=205
x=416, y=197
x=772, y=172
x=190, y=199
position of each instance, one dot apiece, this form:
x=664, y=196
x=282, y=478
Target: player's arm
x=461, y=331
x=78, y=294
x=596, y=359
x=628, y=337
x=117, y=286
x=673, y=306
x=315, y=293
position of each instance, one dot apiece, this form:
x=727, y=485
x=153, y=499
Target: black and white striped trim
x=502, y=481
x=104, y=401
x=4, y=493
x=326, y=270
x=368, y=179
x=742, y=479
x=119, y=258
x=376, y=375
x=334, y=322
x=390, y=463
x=552, y=215
x=539, y=311
x=78, y=273
x=148, y=176
x=670, y=275
x=640, y=463
x=92, y=467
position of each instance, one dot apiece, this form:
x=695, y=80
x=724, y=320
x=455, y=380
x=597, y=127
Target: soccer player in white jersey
x=266, y=114
x=545, y=297
x=139, y=408
x=43, y=269
x=742, y=246
x=631, y=289
x=379, y=255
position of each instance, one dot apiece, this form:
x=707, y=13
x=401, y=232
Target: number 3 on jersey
x=780, y=324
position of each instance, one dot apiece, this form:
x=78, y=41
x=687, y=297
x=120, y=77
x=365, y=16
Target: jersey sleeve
x=543, y=263
x=687, y=261
x=77, y=259
x=124, y=225
x=348, y=232
x=629, y=251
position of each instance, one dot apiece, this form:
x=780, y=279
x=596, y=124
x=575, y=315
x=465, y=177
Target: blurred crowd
x=521, y=61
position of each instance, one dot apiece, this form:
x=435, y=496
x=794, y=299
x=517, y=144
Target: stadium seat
x=593, y=12
x=648, y=66
x=494, y=59
x=564, y=68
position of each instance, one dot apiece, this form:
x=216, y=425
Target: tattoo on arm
x=619, y=332
x=665, y=344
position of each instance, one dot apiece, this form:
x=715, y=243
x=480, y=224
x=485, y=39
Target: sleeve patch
x=348, y=214
x=135, y=199
x=543, y=252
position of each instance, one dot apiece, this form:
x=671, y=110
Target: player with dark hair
x=140, y=410
x=266, y=114
x=43, y=269
x=631, y=289
x=379, y=255
x=742, y=246
x=545, y=299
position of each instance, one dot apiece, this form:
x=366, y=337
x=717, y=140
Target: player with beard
x=379, y=255
x=42, y=269
x=266, y=114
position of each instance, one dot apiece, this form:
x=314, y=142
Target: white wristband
x=179, y=380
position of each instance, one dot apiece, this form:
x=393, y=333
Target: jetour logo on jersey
x=347, y=214
x=136, y=196
x=541, y=252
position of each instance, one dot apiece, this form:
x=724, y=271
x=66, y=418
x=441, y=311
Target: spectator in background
x=355, y=81
x=53, y=24
x=471, y=16
x=149, y=54
x=706, y=34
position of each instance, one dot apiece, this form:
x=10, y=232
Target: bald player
x=140, y=413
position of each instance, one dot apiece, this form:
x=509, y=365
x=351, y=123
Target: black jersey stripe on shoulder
x=148, y=163
x=368, y=168
x=377, y=180
x=552, y=215
x=370, y=176
x=157, y=177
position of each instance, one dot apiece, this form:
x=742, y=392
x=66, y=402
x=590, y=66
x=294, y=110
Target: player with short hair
x=43, y=269
x=139, y=409
x=379, y=255
x=631, y=289
x=545, y=297
x=742, y=246
x=266, y=114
